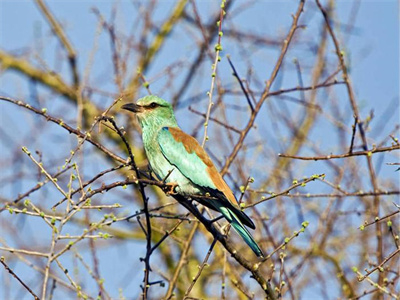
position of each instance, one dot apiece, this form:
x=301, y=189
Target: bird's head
x=153, y=111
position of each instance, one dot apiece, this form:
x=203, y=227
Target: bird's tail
x=239, y=228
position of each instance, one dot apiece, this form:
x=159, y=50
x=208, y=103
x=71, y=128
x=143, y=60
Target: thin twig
x=200, y=269
x=58, y=30
x=353, y=134
x=266, y=93
x=218, y=48
x=367, y=153
x=379, y=267
x=340, y=54
x=2, y=261
x=366, y=224
x=70, y=129
x=147, y=270
x=215, y=120
x=236, y=75
x=285, y=192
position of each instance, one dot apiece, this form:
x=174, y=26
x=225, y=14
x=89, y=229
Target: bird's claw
x=169, y=188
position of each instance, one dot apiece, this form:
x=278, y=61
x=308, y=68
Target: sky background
x=372, y=53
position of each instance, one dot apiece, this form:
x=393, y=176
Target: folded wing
x=185, y=153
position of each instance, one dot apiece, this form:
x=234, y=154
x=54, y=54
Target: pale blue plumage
x=178, y=159
x=189, y=164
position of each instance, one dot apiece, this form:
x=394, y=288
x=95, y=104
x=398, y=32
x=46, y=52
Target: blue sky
x=372, y=53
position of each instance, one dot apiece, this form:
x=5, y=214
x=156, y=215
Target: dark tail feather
x=240, y=229
x=226, y=203
x=245, y=234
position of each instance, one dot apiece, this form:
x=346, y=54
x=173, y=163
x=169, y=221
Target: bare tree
x=278, y=111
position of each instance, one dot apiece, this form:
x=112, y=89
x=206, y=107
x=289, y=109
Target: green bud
x=24, y=149
x=218, y=47
x=305, y=224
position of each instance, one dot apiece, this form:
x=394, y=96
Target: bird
x=177, y=159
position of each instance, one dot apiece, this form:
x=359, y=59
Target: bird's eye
x=153, y=105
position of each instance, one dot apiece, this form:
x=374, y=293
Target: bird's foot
x=169, y=188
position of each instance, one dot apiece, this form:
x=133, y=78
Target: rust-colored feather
x=191, y=145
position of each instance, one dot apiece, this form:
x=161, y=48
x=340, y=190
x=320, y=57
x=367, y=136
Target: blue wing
x=185, y=153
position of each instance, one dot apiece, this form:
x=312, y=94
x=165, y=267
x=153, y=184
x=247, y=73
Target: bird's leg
x=169, y=188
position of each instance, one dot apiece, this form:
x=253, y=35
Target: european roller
x=178, y=158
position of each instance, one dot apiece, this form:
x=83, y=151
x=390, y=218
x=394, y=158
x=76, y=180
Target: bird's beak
x=133, y=107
